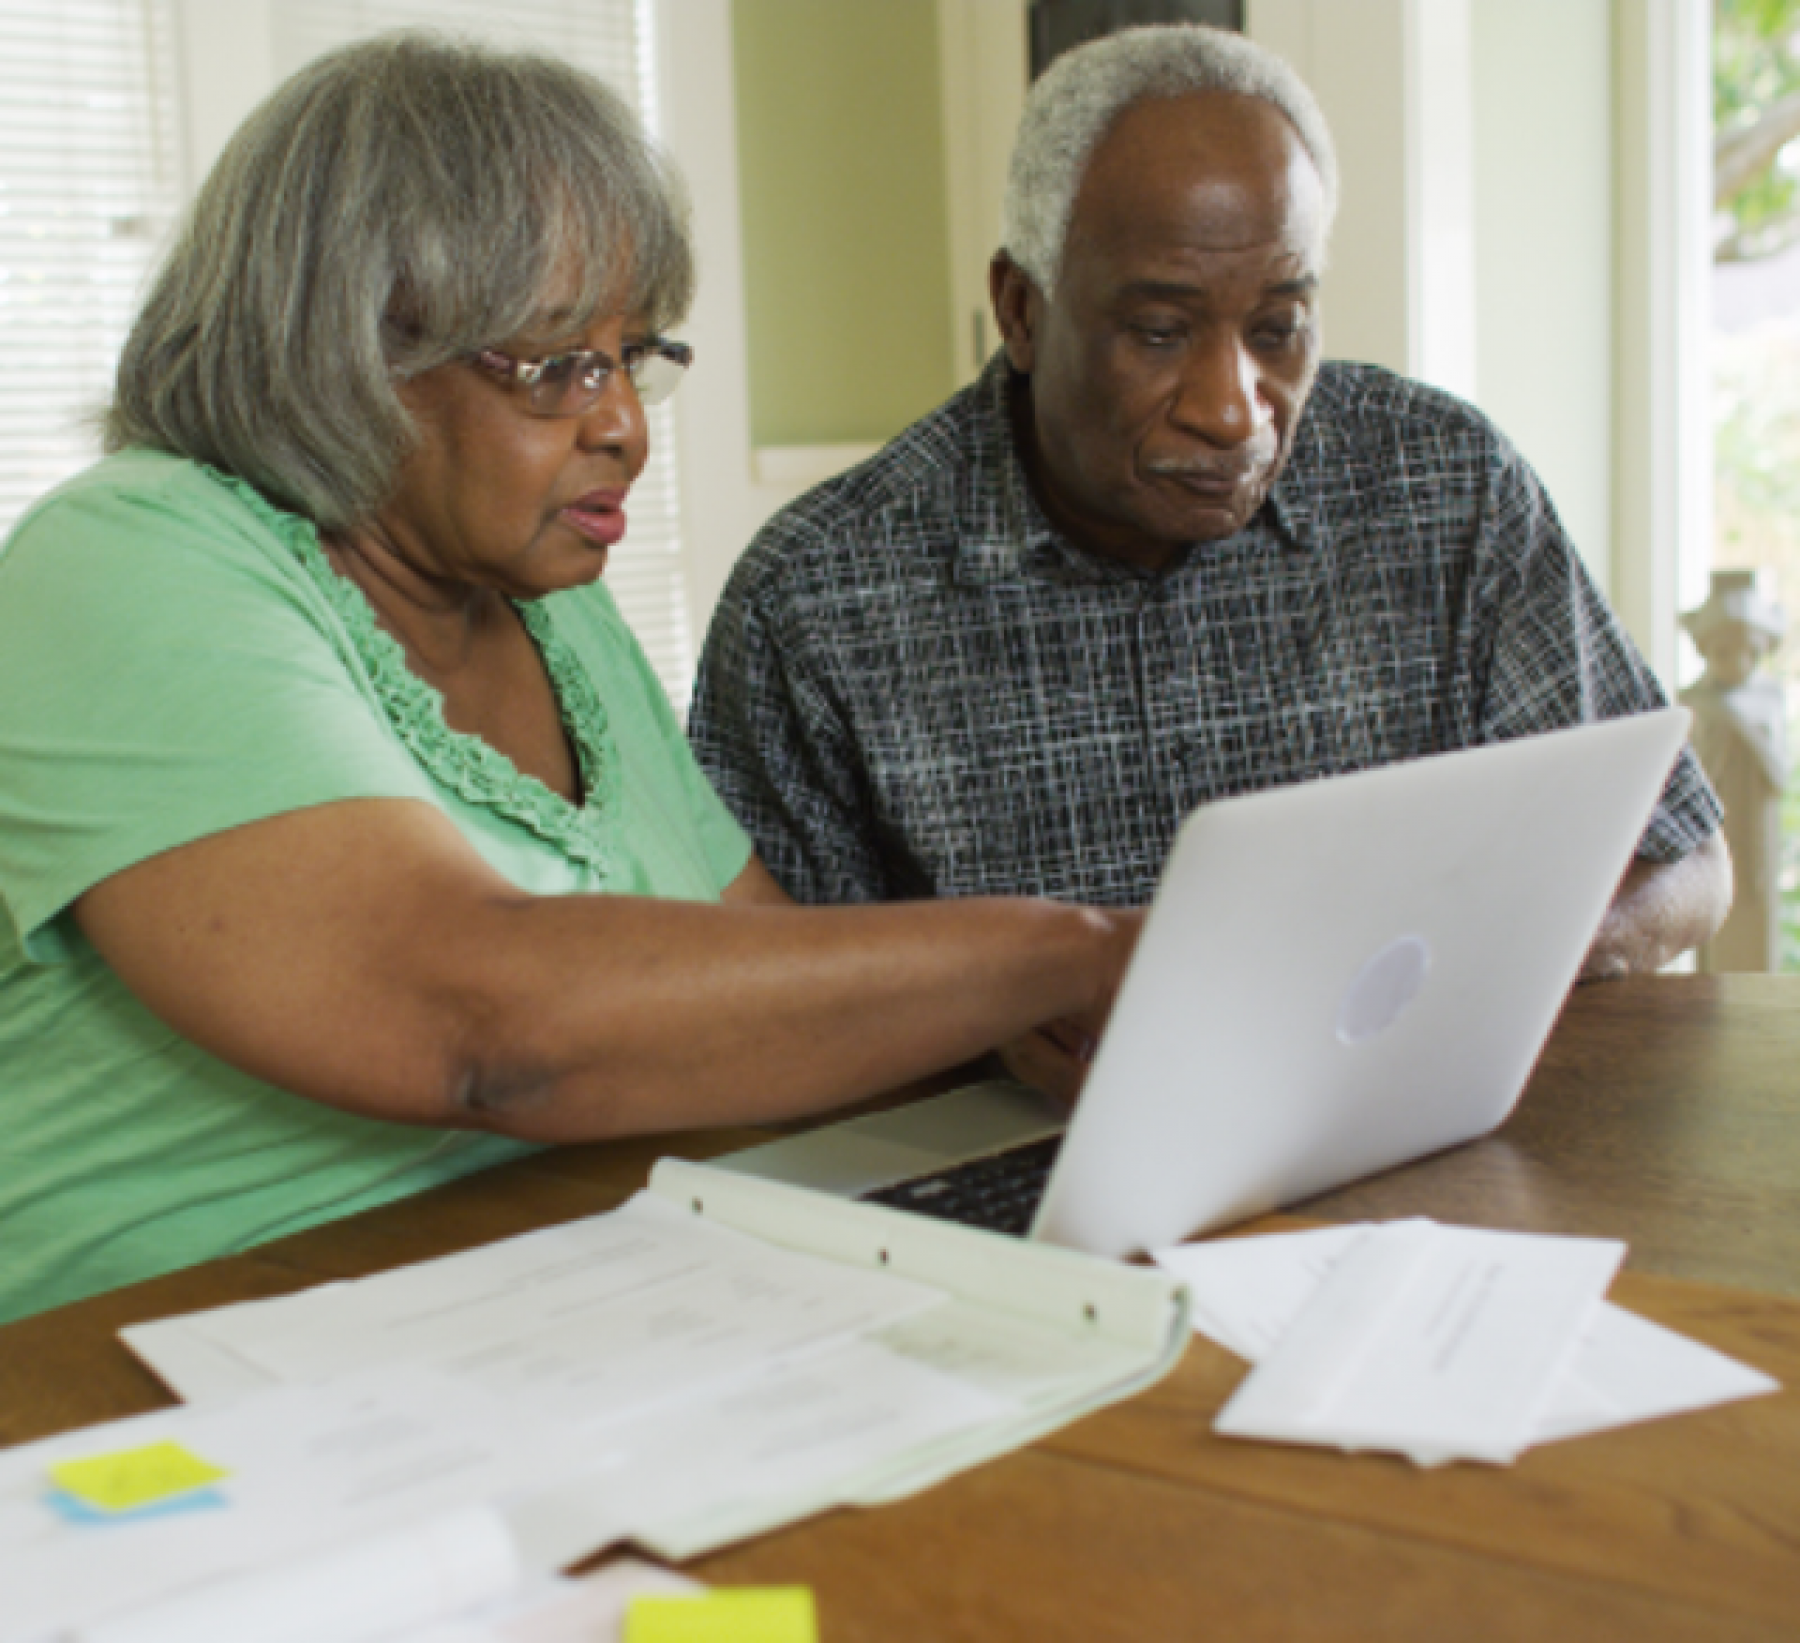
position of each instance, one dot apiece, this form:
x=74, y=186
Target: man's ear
x=1017, y=305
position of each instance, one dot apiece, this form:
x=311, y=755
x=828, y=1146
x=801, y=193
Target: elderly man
x=1158, y=554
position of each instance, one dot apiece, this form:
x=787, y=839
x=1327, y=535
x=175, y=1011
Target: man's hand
x=1662, y=909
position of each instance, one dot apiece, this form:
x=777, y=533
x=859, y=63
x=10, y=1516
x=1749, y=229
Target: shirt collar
x=998, y=523
x=1001, y=530
x=1292, y=505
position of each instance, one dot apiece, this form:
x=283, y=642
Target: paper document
x=350, y=1594
x=767, y=1450
x=605, y=1314
x=597, y=1326
x=1245, y=1293
x=1438, y=1342
x=591, y=1609
x=717, y=1358
x=324, y=1513
x=304, y=1472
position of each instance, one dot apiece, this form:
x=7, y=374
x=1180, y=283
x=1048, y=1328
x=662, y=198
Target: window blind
x=612, y=39
x=89, y=183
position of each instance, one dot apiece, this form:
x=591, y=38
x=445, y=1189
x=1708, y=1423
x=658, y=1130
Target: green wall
x=846, y=253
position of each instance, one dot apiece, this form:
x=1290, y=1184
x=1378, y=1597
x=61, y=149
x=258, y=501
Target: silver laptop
x=1334, y=978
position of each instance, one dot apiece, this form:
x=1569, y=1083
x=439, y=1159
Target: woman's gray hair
x=1077, y=99
x=398, y=204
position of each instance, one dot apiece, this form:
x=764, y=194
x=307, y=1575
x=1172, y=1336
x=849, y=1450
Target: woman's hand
x=1054, y=1056
x=1052, y=1059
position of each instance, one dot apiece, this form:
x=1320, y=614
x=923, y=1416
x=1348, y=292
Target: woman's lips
x=599, y=516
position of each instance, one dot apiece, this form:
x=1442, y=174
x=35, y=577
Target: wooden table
x=1665, y=1111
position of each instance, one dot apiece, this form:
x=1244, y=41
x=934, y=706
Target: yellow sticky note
x=129, y=1478
x=744, y=1614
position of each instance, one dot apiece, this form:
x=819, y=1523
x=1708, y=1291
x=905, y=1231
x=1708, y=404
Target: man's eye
x=1277, y=335
x=1157, y=336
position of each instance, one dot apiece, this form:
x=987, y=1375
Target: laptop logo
x=1383, y=988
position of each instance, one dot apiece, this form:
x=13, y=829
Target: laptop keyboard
x=999, y=1192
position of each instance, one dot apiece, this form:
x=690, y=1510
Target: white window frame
x=1662, y=469
x=722, y=502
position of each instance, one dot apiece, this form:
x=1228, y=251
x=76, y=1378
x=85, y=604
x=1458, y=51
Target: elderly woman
x=346, y=841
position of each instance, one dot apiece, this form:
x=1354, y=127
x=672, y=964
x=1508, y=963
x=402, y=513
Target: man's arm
x=1662, y=909
x=1560, y=656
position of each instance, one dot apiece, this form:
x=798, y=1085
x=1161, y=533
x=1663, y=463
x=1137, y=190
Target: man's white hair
x=1077, y=99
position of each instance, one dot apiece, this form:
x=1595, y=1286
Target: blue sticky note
x=72, y=1509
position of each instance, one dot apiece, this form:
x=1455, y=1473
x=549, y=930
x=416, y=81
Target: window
x=1756, y=450
x=89, y=183
x=90, y=121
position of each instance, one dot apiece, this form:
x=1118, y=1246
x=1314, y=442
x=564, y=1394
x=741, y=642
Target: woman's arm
x=756, y=887
x=363, y=954
x=1052, y=1057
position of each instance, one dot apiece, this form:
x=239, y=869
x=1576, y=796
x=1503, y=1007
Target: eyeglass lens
x=570, y=383
x=655, y=375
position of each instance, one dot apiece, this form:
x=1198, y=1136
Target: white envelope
x=1439, y=1342
x=1246, y=1293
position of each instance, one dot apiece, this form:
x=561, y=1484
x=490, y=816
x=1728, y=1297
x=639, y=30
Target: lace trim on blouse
x=466, y=765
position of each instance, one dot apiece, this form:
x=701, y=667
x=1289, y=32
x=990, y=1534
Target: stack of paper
x=721, y=1356
x=1440, y=1343
x=403, y=1589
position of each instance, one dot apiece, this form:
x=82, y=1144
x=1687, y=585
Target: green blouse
x=177, y=657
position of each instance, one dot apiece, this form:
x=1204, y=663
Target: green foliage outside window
x=1756, y=381
x=1756, y=117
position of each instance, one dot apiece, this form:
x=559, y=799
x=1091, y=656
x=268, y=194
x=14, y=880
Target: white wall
x=1353, y=56
x=1576, y=132
x=227, y=68
x=1392, y=77
x=1542, y=83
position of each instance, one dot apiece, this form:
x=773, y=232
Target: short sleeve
x=166, y=672
x=1561, y=657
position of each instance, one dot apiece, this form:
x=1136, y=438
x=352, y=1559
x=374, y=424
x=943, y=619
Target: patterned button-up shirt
x=914, y=687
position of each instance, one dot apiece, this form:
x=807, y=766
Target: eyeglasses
x=571, y=384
